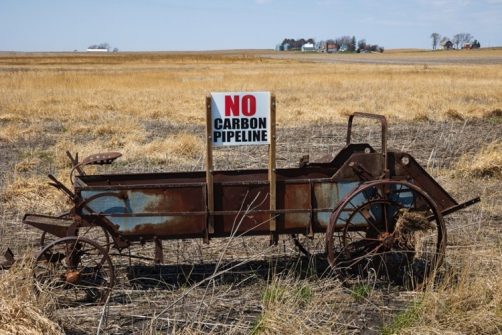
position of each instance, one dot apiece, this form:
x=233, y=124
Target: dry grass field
x=151, y=107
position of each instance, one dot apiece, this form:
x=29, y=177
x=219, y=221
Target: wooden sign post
x=271, y=174
x=209, y=171
x=241, y=118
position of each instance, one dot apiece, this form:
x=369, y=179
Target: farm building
x=97, y=50
x=308, y=47
x=331, y=47
x=447, y=45
x=282, y=47
x=343, y=48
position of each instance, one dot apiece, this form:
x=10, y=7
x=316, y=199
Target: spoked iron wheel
x=392, y=228
x=94, y=233
x=74, y=270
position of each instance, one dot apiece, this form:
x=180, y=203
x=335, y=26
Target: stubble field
x=151, y=107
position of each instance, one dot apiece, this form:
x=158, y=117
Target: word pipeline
x=240, y=130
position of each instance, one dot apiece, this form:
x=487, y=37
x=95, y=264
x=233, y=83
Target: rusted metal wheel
x=74, y=270
x=95, y=233
x=392, y=228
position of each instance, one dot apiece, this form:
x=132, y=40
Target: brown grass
x=21, y=310
x=486, y=163
x=181, y=147
x=104, y=101
x=468, y=301
x=33, y=194
x=91, y=103
x=174, y=87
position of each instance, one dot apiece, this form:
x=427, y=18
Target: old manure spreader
x=366, y=202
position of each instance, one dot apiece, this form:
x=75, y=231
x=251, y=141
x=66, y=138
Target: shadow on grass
x=395, y=270
x=241, y=272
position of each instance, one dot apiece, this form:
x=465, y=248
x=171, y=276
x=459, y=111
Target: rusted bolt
x=72, y=277
x=405, y=160
x=387, y=240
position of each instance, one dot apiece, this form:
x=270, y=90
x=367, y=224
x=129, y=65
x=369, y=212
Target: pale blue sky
x=65, y=25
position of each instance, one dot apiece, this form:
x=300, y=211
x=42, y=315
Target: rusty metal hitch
x=458, y=207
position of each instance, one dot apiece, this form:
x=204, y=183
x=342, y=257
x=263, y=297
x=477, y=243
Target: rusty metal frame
x=383, y=122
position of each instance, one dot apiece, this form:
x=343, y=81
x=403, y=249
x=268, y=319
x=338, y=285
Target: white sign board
x=240, y=118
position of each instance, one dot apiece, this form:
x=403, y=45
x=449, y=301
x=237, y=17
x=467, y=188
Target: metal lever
x=60, y=186
x=74, y=163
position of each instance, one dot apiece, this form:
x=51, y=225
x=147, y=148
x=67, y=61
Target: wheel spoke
x=365, y=213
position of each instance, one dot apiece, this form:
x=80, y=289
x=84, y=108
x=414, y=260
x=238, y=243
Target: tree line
x=105, y=45
x=458, y=40
x=296, y=44
x=343, y=43
x=100, y=46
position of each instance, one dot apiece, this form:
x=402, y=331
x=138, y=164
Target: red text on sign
x=234, y=106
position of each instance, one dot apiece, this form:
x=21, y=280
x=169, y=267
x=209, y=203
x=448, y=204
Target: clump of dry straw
x=486, y=163
x=21, y=310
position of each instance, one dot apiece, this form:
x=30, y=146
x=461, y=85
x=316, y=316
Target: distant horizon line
x=208, y=50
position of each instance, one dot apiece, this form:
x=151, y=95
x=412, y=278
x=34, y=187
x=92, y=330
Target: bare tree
x=361, y=44
x=353, y=44
x=456, y=40
x=104, y=45
x=461, y=38
x=100, y=46
x=465, y=38
x=435, y=40
x=344, y=42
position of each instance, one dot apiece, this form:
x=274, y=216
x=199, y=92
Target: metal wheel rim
x=74, y=271
x=437, y=217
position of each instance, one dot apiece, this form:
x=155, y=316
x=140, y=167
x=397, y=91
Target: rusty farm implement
x=363, y=200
